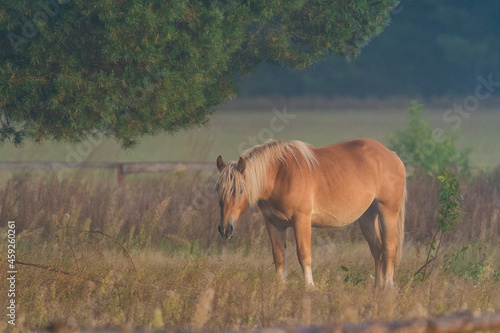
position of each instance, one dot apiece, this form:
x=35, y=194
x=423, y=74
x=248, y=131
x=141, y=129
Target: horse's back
x=358, y=149
x=365, y=156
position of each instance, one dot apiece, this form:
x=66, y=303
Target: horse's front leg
x=302, y=229
x=278, y=242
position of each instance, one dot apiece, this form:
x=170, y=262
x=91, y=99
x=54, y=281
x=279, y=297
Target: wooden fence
x=122, y=169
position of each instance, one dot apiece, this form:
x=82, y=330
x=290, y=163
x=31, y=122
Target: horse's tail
x=401, y=227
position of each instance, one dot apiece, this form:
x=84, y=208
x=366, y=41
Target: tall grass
x=148, y=253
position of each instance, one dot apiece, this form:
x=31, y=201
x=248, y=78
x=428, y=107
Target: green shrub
x=432, y=150
x=449, y=212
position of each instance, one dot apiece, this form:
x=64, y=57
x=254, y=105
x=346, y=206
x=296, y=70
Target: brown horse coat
x=299, y=186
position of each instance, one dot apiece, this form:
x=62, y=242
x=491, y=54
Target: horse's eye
x=241, y=191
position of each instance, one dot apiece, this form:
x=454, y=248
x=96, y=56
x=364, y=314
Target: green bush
x=432, y=150
x=449, y=211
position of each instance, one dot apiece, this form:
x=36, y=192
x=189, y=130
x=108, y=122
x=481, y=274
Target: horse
x=299, y=186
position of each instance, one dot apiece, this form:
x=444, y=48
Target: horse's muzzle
x=226, y=232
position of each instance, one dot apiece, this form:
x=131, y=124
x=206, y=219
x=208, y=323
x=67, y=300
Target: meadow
x=230, y=132
x=147, y=252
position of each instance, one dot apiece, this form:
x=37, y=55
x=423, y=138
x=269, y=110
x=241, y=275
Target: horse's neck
x=272, y=172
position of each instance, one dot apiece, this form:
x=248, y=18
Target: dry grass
x=149, y=254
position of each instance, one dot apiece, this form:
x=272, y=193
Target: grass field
x=148, y=254
x=229, y=132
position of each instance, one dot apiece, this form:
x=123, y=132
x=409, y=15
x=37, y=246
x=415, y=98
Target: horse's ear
x=241, y=165
x=220, y=163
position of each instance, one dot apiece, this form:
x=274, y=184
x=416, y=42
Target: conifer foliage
x=71, y=69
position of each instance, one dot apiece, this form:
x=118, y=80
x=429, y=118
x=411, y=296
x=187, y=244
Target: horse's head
x=232, y=198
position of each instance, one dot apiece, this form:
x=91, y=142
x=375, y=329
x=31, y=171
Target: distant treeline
x=430, y=49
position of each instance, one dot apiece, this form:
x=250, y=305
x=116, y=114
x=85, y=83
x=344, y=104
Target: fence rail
x=122, y=169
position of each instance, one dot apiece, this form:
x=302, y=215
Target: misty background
x=430, y=49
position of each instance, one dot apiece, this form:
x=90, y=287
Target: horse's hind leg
x=390, y=243
x=369, y=223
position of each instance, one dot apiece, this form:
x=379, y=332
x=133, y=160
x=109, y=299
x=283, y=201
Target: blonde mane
x=258, y=159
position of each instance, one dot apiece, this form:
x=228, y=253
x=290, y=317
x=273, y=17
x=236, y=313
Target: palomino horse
x=299, y=186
